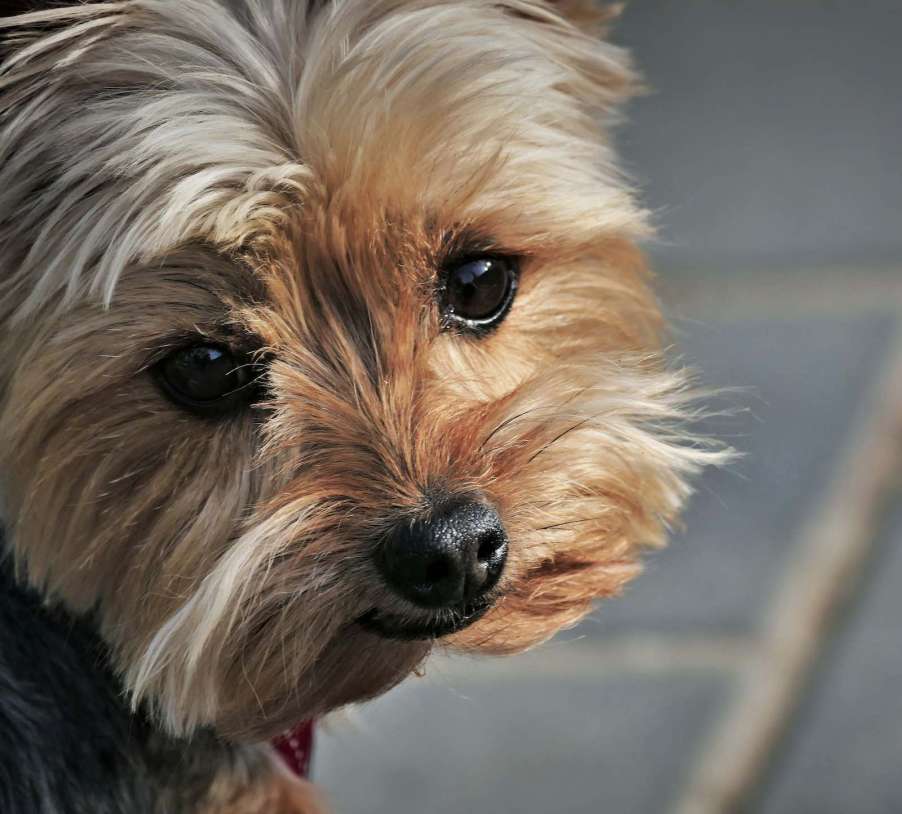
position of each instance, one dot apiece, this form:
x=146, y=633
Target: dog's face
x=323, y=340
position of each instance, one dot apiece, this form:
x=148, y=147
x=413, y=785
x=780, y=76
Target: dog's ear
x=579, y=29
x=591, y=16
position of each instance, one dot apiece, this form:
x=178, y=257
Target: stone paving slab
x=618, y=744
x=804, y=379
x=844, y=755
x=769, y=129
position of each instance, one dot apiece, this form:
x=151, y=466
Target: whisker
x=508, y=421
x=571, y=522
x=505, y=424
x=558, y=437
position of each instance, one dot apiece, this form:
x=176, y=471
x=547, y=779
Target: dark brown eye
x=479, y=292
x=207, y=379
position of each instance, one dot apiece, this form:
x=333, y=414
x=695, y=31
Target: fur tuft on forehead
x=132, y=128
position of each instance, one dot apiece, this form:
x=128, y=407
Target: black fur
x=68, y=741
x=9, y=8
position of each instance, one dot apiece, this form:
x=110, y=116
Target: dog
x=326, y=341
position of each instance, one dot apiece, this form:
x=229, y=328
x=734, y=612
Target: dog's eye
x=477, y=293
x=208, y=379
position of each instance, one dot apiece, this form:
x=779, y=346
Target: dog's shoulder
x=65, y=734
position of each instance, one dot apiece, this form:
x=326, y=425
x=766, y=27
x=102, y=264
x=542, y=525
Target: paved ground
x=755, y=666
x=771, y=134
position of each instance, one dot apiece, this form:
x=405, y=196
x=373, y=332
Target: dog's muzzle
x=448, y=564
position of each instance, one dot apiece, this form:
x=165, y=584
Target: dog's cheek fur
x=116, y=499
x=585, y=488
x=585, y=450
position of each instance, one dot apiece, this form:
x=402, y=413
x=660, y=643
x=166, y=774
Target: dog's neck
x=60, y=683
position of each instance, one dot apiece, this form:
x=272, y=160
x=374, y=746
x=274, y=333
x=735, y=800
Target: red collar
x=296, y=747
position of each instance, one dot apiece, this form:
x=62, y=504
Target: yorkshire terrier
x=325, y=341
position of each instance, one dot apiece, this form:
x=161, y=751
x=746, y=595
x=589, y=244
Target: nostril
x=489, y=547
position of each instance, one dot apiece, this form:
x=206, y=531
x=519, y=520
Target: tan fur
x=237, y=168
x=244, y=779
x=263, y=787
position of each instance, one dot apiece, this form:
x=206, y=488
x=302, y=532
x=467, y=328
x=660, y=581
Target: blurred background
x=757, y=665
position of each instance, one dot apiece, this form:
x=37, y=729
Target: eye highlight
x=208, y=379
x=477, y=293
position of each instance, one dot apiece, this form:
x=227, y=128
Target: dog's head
x=323, y=339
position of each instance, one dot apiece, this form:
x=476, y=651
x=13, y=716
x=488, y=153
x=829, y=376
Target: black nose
x=448, y=560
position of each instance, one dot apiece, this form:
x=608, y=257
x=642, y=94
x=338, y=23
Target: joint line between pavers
x=643, y=654
x=825, y=291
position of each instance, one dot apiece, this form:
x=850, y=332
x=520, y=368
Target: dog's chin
x=356, y=666
x=399, y=628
